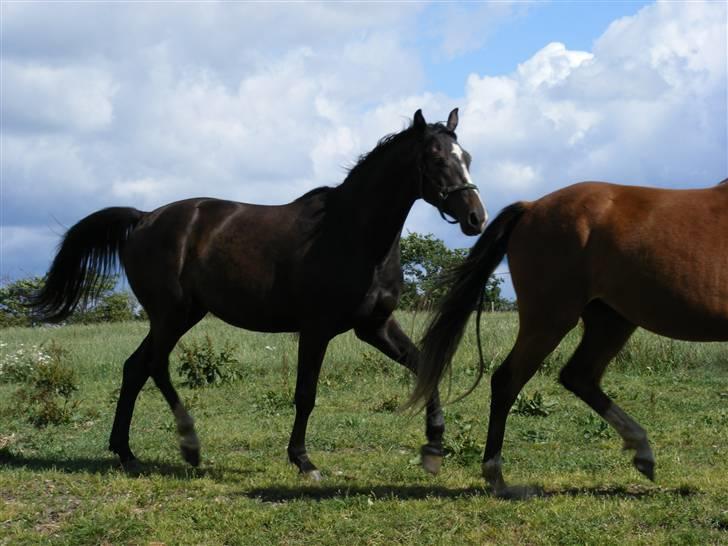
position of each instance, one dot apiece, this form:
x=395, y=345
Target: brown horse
x=321, y=265
x=617, y=257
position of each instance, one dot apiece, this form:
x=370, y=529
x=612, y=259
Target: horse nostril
x=474, y=220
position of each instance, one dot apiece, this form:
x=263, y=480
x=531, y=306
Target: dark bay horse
x=321, y=265
x=617, y=257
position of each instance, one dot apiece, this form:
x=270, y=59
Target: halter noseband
x=445, y=192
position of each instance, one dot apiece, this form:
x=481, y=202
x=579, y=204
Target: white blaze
x=457, y=151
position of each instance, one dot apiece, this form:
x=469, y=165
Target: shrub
x=45, y=396
x=201, y=364
x=19, y=365
x=535, y=406
x=272, y=402
x=460, y=444
x=594, y=427
x=388, y=404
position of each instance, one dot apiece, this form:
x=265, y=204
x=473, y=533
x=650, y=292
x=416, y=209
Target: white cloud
x=550, y=66
x=119, y=105
x=646, y=106
x=42, y=98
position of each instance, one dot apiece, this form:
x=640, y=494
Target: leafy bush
x=388, y=404
x=594, y=427
x=374, y=361
x=535, y=406
x=460, y=444
x=201, y=364
x=273, y=402
x=45, y=396
x=19, y=365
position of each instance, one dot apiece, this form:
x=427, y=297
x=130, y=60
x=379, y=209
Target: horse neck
x=376, y=200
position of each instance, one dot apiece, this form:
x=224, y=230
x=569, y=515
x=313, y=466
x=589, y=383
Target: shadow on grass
x=399, y=492
x=110, y=465
x=624, y=492
x=421, y=492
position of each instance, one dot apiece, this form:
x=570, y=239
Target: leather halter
x=445, y=192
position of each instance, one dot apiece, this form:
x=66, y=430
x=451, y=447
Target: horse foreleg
x=605, y=333
x=389, y=338
x=311, y=350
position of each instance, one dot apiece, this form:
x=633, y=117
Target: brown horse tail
x=88, y=255
x=446, y=328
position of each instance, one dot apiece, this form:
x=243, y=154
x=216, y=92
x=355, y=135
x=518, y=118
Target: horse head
x=446, y=182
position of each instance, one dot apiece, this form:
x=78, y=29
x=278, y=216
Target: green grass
x=59, y=484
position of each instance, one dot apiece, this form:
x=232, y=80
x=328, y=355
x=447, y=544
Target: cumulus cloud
x=58, y=101
x=118, y=105
x=646, y=106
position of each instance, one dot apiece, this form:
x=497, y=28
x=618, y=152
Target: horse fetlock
x=305, y=467
x=645, y=466
x=643, y=460
x=313, y=475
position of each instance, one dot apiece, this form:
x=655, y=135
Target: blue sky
x=141, y=104
x=522, y=29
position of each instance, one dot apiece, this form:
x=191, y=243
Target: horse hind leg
x=165, y=333
x=605, y=333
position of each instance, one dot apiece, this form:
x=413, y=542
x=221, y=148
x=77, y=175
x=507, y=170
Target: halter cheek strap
x=445, y=192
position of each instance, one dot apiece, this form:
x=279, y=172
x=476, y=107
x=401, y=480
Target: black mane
x=390, y=140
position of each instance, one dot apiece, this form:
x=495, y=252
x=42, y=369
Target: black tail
x=88, y=254
x=446, y=328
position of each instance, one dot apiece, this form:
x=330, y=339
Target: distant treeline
x=112, y=305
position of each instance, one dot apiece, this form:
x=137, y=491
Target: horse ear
x=452, y=120
x=419, y=120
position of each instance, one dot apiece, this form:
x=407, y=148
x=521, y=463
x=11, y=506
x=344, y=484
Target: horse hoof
x=431, y=463
x=646, y=467
x=313, y=475
x=191, y=455
x=132, y=467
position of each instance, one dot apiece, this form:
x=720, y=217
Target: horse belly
x=687, y=310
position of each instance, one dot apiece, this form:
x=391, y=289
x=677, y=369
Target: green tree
x=424, y=259
x=14, y=298
x=109, y=306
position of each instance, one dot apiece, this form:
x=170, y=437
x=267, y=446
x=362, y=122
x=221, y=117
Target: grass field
x=59, y=484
